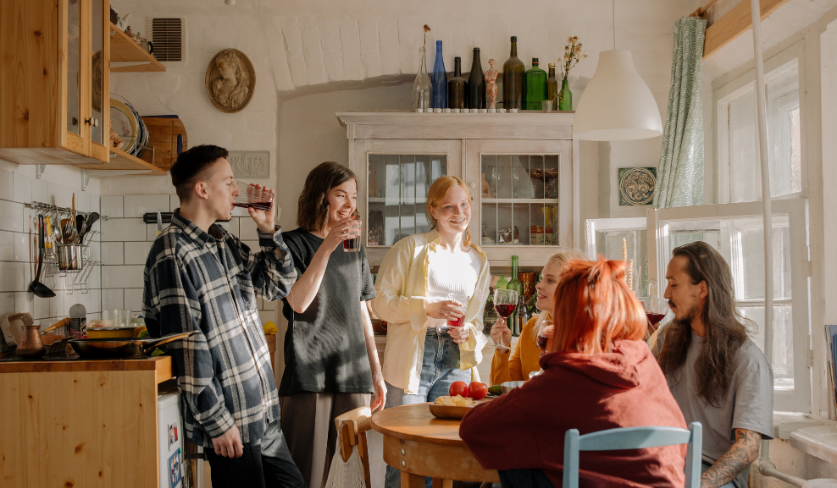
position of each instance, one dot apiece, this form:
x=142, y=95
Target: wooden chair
x=634, y=438
x=352, y=427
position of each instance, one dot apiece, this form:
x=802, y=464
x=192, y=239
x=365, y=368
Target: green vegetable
x=143, y=335
x=495, y=390
x=158, y=352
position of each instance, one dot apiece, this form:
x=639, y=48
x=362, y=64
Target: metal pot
x=113, y=347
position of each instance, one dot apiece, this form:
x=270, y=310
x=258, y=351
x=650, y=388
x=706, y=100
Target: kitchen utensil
x=57, y=235
x=39, y=289
x=31, y=345
x=122, y=348
x=68, y=230
x=61, y=323
x=74, y=210
x=511, y=385
x=110, y=332
x=50, y=258
x=159, y=223
x=88, y=225
x=79, y=223
x=71, y=256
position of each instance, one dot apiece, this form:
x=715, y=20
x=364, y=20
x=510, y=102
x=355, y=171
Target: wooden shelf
x=123, y=49
x=520, y=200
x=122, y=161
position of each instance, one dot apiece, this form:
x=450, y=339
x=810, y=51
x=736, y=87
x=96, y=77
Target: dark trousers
x=524, y=478
x=253, y=470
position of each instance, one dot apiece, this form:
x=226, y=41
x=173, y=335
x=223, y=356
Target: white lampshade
x=617, y=104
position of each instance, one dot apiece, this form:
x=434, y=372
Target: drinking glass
x=462, y=301
x=543, y=336
x=123, y=318
x=504, y=303
x=109, y=318
x=351, y=238
x=260, y=199
x=656, y=309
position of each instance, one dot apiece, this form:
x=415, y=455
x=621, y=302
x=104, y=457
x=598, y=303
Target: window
x=736, y=231
x=606, y=236
x=738, y=165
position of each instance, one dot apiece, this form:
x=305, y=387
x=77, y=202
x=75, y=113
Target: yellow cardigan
x=516, y=366
x=401, y=289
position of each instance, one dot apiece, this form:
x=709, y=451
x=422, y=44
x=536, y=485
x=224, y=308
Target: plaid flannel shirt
x=209, y=283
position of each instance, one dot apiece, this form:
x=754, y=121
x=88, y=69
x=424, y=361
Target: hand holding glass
x=460, y=300
x=259, y=199
x=504, y=303
x=351, y=237
x=657, y=308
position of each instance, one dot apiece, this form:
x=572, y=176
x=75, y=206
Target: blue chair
x=634, y=438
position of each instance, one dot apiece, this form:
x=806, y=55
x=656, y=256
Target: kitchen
x=316, y=60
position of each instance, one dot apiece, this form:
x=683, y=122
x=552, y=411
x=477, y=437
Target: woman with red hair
x=598, y=375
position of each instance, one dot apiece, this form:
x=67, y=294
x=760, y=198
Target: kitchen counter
x=80, y=423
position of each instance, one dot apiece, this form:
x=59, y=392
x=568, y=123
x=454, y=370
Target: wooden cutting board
x=166, y=135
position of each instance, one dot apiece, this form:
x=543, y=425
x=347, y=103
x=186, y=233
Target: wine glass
x=505, y=302
x=543, y=336
x=656, y=309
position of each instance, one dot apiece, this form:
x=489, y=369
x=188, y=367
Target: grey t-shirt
x=748, y=403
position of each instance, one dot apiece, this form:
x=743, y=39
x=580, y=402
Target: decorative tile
x=636, y=186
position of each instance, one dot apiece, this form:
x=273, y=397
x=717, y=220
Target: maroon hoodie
x=625, y=388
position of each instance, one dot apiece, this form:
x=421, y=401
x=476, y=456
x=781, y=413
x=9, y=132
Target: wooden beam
x=736, y=22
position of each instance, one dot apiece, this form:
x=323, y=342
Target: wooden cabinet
x=519, y=168
x=55, y=84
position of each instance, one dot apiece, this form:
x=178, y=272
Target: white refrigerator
x=171, y=436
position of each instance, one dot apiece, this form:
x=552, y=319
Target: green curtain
x=680, y=170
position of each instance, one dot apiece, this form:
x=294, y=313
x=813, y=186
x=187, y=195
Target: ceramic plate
x=124, y=124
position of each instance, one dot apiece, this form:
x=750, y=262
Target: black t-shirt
x=325, y=348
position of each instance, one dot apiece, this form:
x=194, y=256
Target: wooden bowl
x=446, y=412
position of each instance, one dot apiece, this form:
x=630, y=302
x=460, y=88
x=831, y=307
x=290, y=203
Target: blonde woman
x=516, y=366
x=424, y=355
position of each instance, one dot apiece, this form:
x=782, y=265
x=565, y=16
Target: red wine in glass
x=256, y=205
x=257, y=199
x=351, y=245
x=654, y=318
x=504, y=310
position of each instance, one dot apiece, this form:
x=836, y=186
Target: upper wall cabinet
x=54, y=85
x=519, y=168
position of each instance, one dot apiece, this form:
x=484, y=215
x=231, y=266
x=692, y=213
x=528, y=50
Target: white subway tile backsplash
x=112, y=253
x=40, y=191
x=62, y=196
x=174, y=203
x=112, y=299
x=112, y=206
x=7, y=183
x=23, y=189
x=7, y=303
x=253, y=245
x=11, y=216
x=13, y=277
x=133, y=300
x=58, y=307
x=114, y=230
x=151, y=231
x=41, y=308
x=137, y=252
x=122, y=276
x=23, y=247
x=7, y=246
x=82, y=202
x=25, y=302
x=137, y=205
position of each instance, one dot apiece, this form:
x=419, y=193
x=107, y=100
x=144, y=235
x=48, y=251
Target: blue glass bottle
x=439, y=94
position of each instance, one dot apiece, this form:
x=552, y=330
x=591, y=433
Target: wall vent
x=167, y=35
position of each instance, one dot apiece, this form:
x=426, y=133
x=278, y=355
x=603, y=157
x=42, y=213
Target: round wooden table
x=419, y=444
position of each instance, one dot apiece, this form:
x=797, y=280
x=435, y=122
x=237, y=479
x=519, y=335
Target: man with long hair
x=718, y=376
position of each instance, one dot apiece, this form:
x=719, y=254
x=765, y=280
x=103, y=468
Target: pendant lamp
x=616, y=105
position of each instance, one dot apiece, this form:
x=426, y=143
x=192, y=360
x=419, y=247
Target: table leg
x=409, y=480
x=440, y=483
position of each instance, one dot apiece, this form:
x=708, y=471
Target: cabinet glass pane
x=609, y=245
x=519, y=199
x=73, y=67
x=98, y=75
x=397, y=188
x=782, y=341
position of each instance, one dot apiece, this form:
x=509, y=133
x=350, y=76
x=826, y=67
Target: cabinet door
x=74, y=26
x=394, y=177
x=523, y=197
x=98, y=89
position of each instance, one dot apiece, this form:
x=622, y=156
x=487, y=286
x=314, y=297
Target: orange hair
x=594, y=307
x=437, y=193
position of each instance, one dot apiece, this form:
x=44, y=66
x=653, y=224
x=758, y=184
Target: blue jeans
x=439, y=369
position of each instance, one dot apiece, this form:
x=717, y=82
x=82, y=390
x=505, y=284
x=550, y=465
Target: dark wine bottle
x=552, y=87
x=513, y=78
x=535, y=86
x=476, y=83
x=456, y=86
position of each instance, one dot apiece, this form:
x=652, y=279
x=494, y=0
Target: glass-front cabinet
x=520, y=178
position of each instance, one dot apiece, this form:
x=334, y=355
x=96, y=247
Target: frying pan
x=117, y=347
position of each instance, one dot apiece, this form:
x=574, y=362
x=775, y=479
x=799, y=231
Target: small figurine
x=491, y=85
x=486, y=188
x=129, y=32
x=116, y=142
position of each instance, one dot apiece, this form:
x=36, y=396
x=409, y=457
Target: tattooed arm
x=741, y=454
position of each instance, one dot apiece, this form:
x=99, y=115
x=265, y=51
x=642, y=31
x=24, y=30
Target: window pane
x=782, y=341
x=747, y=253
x=609, y=245
x=680, y=233
x=783, y=127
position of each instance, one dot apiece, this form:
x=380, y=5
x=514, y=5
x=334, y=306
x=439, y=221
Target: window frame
x=774, y=67
x=799, y=399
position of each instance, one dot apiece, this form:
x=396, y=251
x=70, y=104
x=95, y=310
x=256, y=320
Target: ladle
x=39, y=289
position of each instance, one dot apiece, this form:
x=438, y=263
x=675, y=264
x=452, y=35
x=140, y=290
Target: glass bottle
x=513, y=79
x=421, y=85
x=565, y=98
x=439, y=95
x=552, y=87
x=476, y=83
x=516, y=285
x=535, y=86
x=501, y=283
x=456, y=86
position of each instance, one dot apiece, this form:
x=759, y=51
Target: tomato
x=458, y=388
x=478, y=390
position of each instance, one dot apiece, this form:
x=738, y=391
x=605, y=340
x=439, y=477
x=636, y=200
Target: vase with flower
x=572, y=55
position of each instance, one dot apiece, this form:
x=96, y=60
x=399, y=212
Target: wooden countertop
x=160, y=364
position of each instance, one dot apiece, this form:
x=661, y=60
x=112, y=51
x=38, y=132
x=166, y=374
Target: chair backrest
x=352, y=427
x=634, y=438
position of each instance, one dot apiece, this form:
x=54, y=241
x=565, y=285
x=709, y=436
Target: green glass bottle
x=513, y=79
x=565, y=98
x=552, y=87
x=535, y=86
x=456, y=86
x=517, y=286
x=501, y=283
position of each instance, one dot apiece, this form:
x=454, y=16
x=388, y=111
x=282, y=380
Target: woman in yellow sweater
x=516, y=366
